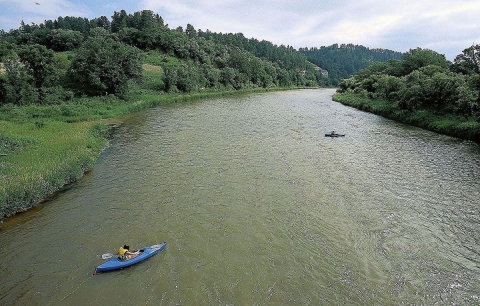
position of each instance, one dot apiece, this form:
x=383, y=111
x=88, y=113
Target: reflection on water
x=259, y=208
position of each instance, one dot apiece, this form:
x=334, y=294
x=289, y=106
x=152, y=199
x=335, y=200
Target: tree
x=386, y=85
x=101, y=22
x=103, y=65
x=17, y=84
x=467, y=101
x=6, y=48
x=119, y=21
x=186, y=78
x=42, y=68
x=417, y=58
x=227, y=77
x=212, y=76
x=283, y=78
x=468, y=62
x=150, y=29
x=39, y=61
x=129, y=36
x=65, y=40
x=190, y=31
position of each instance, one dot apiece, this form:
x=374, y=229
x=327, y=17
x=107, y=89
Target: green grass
x=153, y=77
x=39, y=160
x=160, y=59
x=10, y=143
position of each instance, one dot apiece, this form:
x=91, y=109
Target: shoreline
x=446, y=125
x=38, y=186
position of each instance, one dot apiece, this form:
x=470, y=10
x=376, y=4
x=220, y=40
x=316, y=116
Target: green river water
x=258, y=207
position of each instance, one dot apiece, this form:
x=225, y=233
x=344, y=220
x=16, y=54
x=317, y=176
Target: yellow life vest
x=122, y=252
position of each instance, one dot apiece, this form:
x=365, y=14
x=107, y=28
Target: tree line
x=55, y=61
x=423, y=80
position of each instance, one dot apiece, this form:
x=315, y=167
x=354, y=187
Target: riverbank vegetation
x=59, y=79
x=421, y=89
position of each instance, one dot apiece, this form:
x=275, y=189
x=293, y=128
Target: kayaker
x=333, y=133
x=125, y=254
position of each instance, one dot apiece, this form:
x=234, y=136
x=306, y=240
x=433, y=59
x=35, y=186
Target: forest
x=56, y=61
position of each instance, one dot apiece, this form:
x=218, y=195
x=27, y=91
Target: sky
x=445, y=26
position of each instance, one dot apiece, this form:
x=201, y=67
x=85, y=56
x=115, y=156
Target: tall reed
x=53, y=155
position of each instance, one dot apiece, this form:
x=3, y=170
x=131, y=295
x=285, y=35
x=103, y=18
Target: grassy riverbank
x=43, y=148
x=465, y=128
x=39, y=159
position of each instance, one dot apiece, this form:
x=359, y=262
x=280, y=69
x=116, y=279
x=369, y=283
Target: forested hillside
x=52, y=62
x=344, y=60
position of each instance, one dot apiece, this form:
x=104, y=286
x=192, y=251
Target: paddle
x=107, y=255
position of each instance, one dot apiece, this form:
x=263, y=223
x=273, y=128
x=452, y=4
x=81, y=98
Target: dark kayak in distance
x=334, y=135
x=115, y=263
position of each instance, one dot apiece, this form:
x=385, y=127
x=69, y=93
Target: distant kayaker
x=333, y=133
x=125, y=254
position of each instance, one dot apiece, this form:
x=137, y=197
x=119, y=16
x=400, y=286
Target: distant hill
x=344, y=60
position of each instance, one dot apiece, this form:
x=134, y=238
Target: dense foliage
x=423, y=80
x=105, y=57
x=344, y=60
x=104, y=65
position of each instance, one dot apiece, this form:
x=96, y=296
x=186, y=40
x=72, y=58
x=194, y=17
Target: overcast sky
x=445, y=26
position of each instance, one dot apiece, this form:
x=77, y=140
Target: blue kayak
x=334, y=135
x=115, y=263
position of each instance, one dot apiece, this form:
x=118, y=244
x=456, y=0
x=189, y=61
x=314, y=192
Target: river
x=258, y=207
